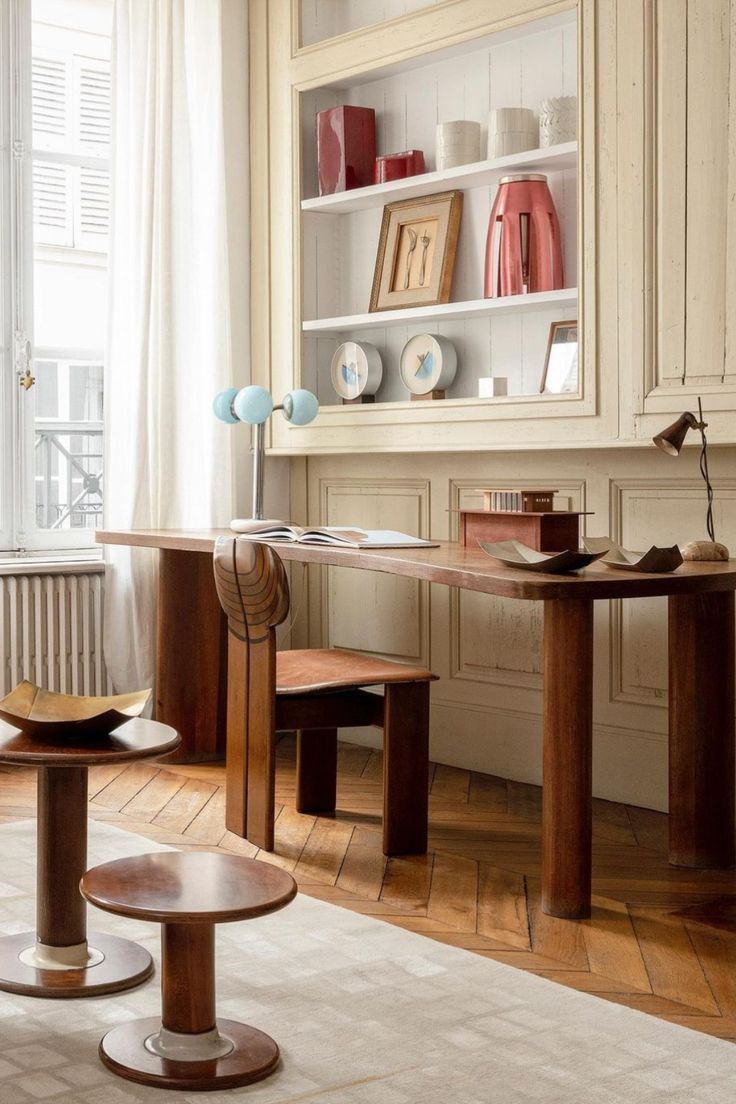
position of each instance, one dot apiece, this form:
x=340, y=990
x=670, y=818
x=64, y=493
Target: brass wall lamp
x=671, y=440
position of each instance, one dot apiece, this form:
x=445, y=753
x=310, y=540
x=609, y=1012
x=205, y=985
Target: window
x=55, y=112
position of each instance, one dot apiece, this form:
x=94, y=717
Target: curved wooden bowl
x=43, y=712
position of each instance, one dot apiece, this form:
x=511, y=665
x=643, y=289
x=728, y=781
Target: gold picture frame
x=417, y=246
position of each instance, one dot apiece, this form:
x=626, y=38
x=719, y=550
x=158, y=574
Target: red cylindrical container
x=523, y=247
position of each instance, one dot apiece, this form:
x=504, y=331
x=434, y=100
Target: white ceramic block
x=558, y=120
x=490, y=387
x=511, y=130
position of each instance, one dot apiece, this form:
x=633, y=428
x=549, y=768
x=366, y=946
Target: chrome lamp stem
x=259, y=441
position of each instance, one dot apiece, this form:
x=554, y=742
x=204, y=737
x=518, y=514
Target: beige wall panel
x=366, y=611
x=659, y=512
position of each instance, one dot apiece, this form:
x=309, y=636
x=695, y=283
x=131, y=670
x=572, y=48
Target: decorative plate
x=515, y=554
x=356, y=369
x=428, y=363
x=655, y=561
x=40, y=712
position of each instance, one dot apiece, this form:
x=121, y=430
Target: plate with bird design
x=356, y=370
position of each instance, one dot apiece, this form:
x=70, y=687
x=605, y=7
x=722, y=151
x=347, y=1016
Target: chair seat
x=311, y=670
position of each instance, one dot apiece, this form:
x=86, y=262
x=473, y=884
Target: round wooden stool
x=57, y=960
x=188, y=893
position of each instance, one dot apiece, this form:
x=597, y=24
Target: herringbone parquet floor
x=662, y=940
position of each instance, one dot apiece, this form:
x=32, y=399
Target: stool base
x=123, y=966
x=254, y=1056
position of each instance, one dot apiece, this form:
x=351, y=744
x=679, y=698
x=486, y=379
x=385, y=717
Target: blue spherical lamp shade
x=253, y=405
x=223, y=406
x=300, y=407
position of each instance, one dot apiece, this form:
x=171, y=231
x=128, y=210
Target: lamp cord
x=705, y=474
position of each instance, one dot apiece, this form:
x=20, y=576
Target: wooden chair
x=313, y=692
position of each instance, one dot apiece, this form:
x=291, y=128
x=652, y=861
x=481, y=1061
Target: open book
x=341, y=536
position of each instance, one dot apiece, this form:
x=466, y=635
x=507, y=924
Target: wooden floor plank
x=125, y=786
x=179, y=812
x=406, y=882
x=364, y=865
x=324, y=851
x=502, y=910
x=453, y=894
x=152, y=797
x=673, y=966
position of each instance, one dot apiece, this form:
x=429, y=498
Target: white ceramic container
x=558, y=120
x=458, y=143
x=511, y=130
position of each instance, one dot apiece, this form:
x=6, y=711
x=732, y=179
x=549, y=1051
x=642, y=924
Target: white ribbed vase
x=511, y=130
x=458, y=143
x=558, y=120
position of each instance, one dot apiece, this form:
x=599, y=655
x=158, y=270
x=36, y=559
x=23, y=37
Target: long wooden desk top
x=453, y=565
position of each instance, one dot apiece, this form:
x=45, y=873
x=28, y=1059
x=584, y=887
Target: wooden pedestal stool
x=57, y=960
x=188, y=893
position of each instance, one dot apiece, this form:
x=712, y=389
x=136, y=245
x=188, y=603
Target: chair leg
x=405, y=768
x=316, y=770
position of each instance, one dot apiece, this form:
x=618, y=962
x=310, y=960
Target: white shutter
x=92, y=209
x=92, y=105
x=52, y=204
x=49, y=101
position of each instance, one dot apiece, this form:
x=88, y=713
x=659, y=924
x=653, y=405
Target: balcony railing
x=69, y=468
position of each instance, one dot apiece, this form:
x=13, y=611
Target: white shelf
x=446, y=312
x=552, y=159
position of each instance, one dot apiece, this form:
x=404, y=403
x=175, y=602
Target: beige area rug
x=365, y=1013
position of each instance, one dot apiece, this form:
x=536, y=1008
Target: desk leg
x=568, y=738
x=191, y=673
x=701, y=724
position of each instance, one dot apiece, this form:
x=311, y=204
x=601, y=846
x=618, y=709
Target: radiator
x=51, y=632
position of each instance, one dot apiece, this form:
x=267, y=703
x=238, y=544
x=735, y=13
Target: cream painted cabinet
x=313, y=257
x=677, y=208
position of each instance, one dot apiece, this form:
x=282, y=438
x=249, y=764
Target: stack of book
x=526, y=502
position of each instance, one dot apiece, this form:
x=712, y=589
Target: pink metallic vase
x=523, y=247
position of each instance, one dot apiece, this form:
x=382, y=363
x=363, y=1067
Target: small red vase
x=523, y=247
x=346, y=148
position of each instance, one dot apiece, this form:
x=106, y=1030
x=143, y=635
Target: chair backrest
x=252, y=587
x=254, y=593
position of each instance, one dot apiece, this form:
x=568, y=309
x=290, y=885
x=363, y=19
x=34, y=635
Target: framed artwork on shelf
x=416, y=252
x=560, y=374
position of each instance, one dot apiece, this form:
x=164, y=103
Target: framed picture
x=416, y=252
x=560, y=375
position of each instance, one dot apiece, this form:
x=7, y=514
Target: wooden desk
x=191, y=682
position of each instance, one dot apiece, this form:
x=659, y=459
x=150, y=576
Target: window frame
x=19, y=532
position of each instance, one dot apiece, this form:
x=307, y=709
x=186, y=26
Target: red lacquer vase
x=346, y=148
x=523, y=247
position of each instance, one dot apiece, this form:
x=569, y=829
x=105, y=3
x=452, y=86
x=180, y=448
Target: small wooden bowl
x=38, y=712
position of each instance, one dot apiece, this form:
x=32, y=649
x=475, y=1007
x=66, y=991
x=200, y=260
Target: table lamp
x=671, y=440
x=255, y=405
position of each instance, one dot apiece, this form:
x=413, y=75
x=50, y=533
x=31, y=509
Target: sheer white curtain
x=180, y=155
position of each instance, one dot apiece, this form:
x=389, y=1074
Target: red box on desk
x=555, y=531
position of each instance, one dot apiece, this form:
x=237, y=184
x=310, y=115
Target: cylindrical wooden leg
x=568, y=738
x=188, y=978
x=701, y=726
x=56, y=960
x=189, y=1048
x=61, y=847
x=316, y=770
x=405, y=768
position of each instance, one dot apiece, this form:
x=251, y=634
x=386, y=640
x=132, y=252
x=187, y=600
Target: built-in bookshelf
x=339, y=233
